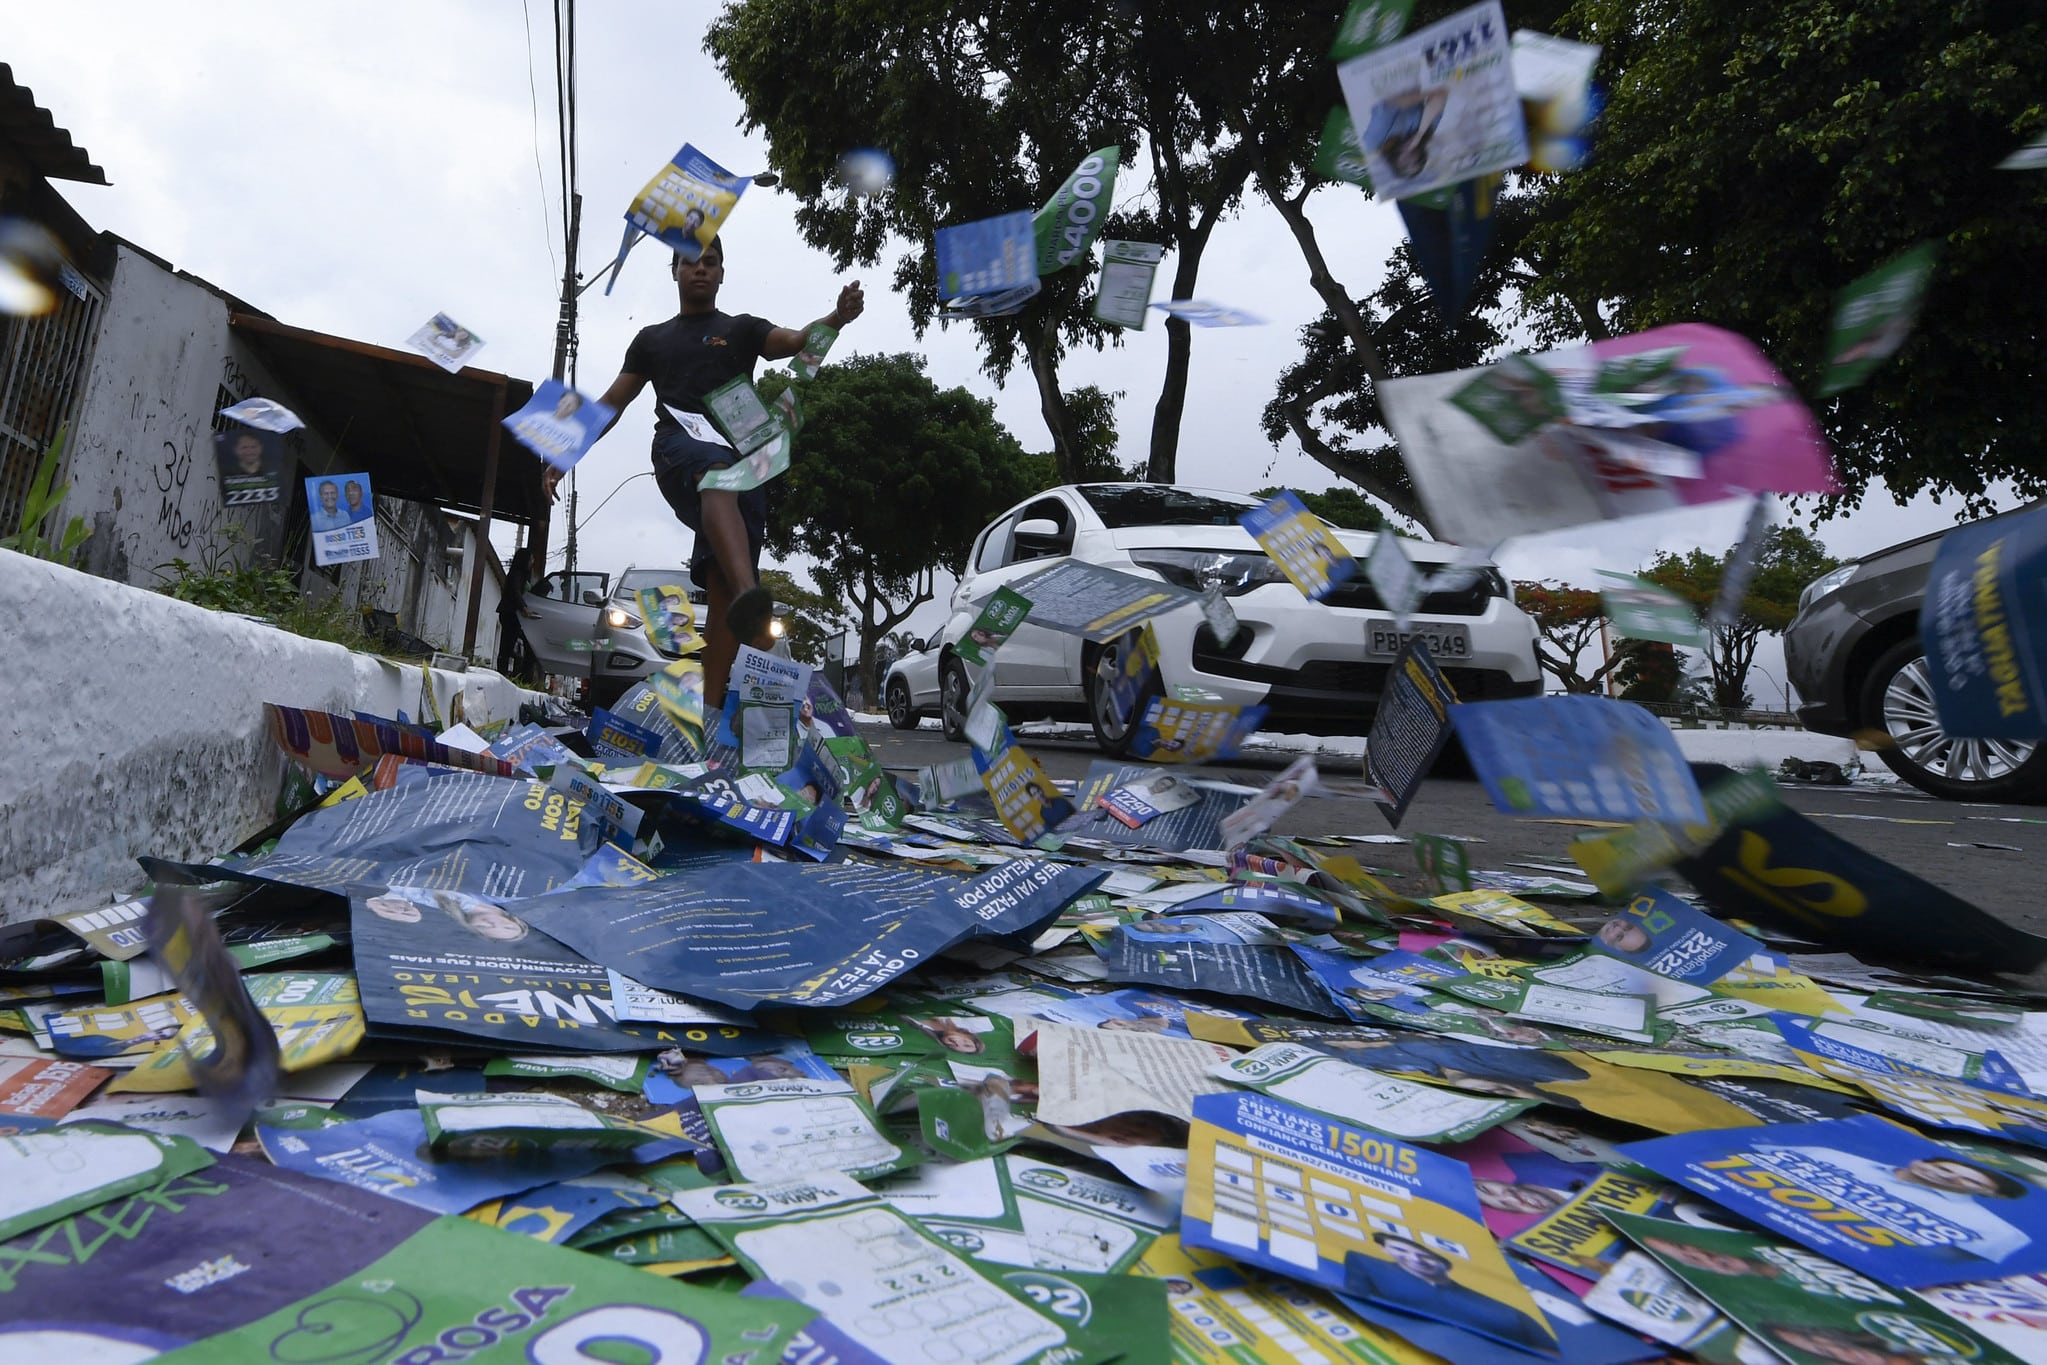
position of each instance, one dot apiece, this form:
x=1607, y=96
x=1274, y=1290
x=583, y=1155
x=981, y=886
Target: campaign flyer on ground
x=1404, y=1109
x=490, y=836
x=448, y=963
x=198, y=1254
x=1803, y=1306
x=1349, y=1209
x=1868, y=1193
x=1662, y=934
x=1096, y=603
x=1668, y=418
x=1578, y=758
x=1409, y=728
x=798, y=934
x=343, y=513
x=508, y=1300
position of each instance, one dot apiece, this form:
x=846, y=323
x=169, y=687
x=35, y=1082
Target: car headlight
x=1200, y=570
x=621, y=619
x=1827, y=582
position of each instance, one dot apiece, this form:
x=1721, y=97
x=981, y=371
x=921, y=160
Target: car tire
x=1111, y=737
x=1897, y=698
x=953, y=689
x=901, y=714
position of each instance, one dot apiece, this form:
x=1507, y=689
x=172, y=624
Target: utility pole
x=565, y=357
x=564, y=351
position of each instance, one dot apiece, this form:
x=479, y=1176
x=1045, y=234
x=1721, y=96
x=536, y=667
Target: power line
x=533, y=95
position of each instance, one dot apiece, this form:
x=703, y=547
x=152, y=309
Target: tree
x=892, y=479
x=1752, y=160
x=1344, y=507
x=1789, y=559
x=1648, y=670
x=1568, y=620
x=813, y=619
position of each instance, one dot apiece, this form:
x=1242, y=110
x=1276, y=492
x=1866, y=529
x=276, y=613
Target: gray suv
x=1853, y=653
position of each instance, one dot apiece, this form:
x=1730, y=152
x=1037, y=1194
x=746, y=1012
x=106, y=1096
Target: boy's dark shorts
x=680, y=460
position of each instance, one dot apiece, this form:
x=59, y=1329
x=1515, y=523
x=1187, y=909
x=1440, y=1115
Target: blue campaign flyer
x=1582, y=1339
x=1350, y=1210
x=387, y=1155
x=614, y=739
x=1578, y=758
x=1397, y=980
x=558, y=424
x=1986, y=653
x=987, y=257
x=1877, y=1197
x=1283, y=904
x=1193, y=732
x=1660, y=933
x=1886, y=1054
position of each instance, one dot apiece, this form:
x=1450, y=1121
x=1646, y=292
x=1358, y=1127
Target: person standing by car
x=685, y=358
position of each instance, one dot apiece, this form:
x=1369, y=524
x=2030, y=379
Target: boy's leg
x=750, y=607
x=721, y=647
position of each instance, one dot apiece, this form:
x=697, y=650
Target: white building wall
x=141, y=464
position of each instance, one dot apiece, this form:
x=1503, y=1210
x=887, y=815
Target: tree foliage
x=985, y=108
x=1789, y=560
x=1344, y=507
x=892, y=479
x=1568, y=622
x=1754, y=159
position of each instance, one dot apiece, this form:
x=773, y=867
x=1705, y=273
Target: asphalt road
x=1893, y=821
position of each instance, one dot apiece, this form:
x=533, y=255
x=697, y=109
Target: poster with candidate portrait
x=558, y=424
x=1876, y=1197
x=343, y=513
x=249, y=460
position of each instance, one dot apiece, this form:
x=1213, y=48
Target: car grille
x=1358, y=595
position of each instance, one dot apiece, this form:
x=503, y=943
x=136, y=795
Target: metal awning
x=29, y=129
x=420, y=433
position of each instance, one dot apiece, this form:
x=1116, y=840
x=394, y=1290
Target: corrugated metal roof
x=46, y=147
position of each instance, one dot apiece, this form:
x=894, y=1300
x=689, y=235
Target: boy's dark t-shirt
x=691, y=354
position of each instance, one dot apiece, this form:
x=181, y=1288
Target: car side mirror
x=1044, y=528
x=919, y=645
x=592, y=598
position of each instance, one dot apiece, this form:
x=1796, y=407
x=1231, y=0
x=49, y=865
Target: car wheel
x=901, y=714
x=1113, y=733
x=952, y=698
x=1897, y=697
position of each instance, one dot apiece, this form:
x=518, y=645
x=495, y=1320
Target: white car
x=1318, y=666
x=909, y=690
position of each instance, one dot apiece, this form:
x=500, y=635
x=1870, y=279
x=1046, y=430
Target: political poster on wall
x=343, y=514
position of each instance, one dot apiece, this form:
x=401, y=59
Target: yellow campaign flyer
x=1350, y=1210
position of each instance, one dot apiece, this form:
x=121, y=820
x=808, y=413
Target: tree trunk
x=1331, y=291
x=876, y=618
x=1041, y=346
x=1163, y=464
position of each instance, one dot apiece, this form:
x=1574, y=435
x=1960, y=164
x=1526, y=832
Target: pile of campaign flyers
x=706, y=1036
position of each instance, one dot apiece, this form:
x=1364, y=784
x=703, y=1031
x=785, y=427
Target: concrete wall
x=133, y=725
x=142, y=471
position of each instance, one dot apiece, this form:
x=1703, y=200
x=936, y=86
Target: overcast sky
x=356, y=168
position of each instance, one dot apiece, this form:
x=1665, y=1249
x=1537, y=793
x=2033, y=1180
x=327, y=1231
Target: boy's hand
x=852, y=303
x=550, y=482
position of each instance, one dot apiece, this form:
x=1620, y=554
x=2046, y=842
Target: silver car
x=1854, y=655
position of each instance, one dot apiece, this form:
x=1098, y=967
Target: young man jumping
x=685, y=358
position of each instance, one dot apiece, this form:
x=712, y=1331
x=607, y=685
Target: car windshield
x=1155, y=504
x=632, y=580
